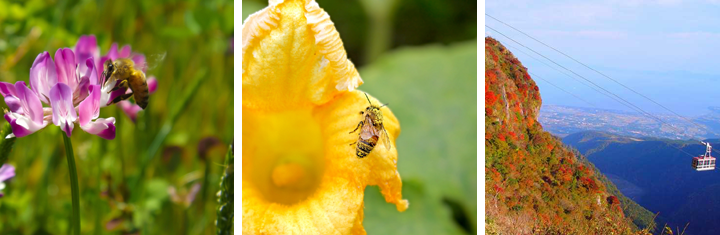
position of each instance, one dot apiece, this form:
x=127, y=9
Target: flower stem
x=6, y=144
x=75, y=220
x=380, y=14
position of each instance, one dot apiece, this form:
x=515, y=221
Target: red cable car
x=704, y=162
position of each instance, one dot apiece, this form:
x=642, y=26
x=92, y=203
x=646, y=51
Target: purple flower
x=85, y=48
x=26, y=111
x=89, y=110
x=64, y=114
x=43, y=75
x=7, y=171
x=128, y=108
x=73, y=89
x=70, y=85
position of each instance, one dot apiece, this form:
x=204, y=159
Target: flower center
x=286, y=154
x=290, y=175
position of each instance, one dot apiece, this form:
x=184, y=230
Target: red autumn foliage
x=516, y=108
x=569, y=160
x=565, y=173
x=545, y=218
x=589, y=183
x=511, y=166
x=527, y=183
x=490, y=98
x=520, y=155
x=613, y=200
x=511, y=96
x=534, y=174
x=587, y=171
x=523, y=88
x=492, y=54
x=498, y=188
x=495, y=175
x=490, y=77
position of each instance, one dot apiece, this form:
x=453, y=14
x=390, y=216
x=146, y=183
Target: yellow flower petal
x=301, y=175
x=380, y=166
x=293, y=54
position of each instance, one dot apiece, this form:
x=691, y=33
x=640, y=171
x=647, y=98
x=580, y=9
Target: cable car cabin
x=704, y=162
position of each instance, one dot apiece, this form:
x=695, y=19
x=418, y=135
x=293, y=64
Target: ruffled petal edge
x=327, y=40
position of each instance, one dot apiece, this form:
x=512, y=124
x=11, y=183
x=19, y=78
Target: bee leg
x=353, y=143
x=121, y=98
x=123, y=84
x=358, y=126
x=361, y=112
x=108, y=81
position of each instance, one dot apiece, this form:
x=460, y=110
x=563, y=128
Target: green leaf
x=6, y=144
x=191, y=23
x=249, y=7
x=157, y=193
x=424, y=216
x=432, y=91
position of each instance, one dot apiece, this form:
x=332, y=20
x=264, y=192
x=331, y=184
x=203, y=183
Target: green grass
x=123, y=183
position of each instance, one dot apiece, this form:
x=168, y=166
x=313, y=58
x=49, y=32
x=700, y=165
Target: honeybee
x=372, y=130
x=130, y=76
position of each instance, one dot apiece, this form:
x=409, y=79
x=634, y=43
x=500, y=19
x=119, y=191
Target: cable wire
x=606, y=76
x=625, y=102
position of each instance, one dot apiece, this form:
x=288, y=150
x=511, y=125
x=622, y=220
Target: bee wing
x=386, y=138
x=149, y=62
x=368, y=131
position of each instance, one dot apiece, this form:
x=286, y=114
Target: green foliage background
x=425, y=66
x=124, y=182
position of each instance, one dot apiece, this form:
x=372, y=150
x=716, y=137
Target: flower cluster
x=300, y=170
x=73, y=89
x=7, y=171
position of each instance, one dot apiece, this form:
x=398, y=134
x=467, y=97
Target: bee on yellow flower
x=299, y=98
x=372, y=130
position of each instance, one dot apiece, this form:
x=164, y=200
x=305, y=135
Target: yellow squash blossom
x=300, y=172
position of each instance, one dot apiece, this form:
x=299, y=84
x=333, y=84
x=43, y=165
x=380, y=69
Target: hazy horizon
x=665, y=50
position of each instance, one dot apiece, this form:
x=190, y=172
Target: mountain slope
x=533, y=183
x=661, y=176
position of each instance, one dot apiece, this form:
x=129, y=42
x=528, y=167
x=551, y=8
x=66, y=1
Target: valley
x=655, y=174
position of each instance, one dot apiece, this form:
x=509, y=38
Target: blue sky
x=668, y=50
